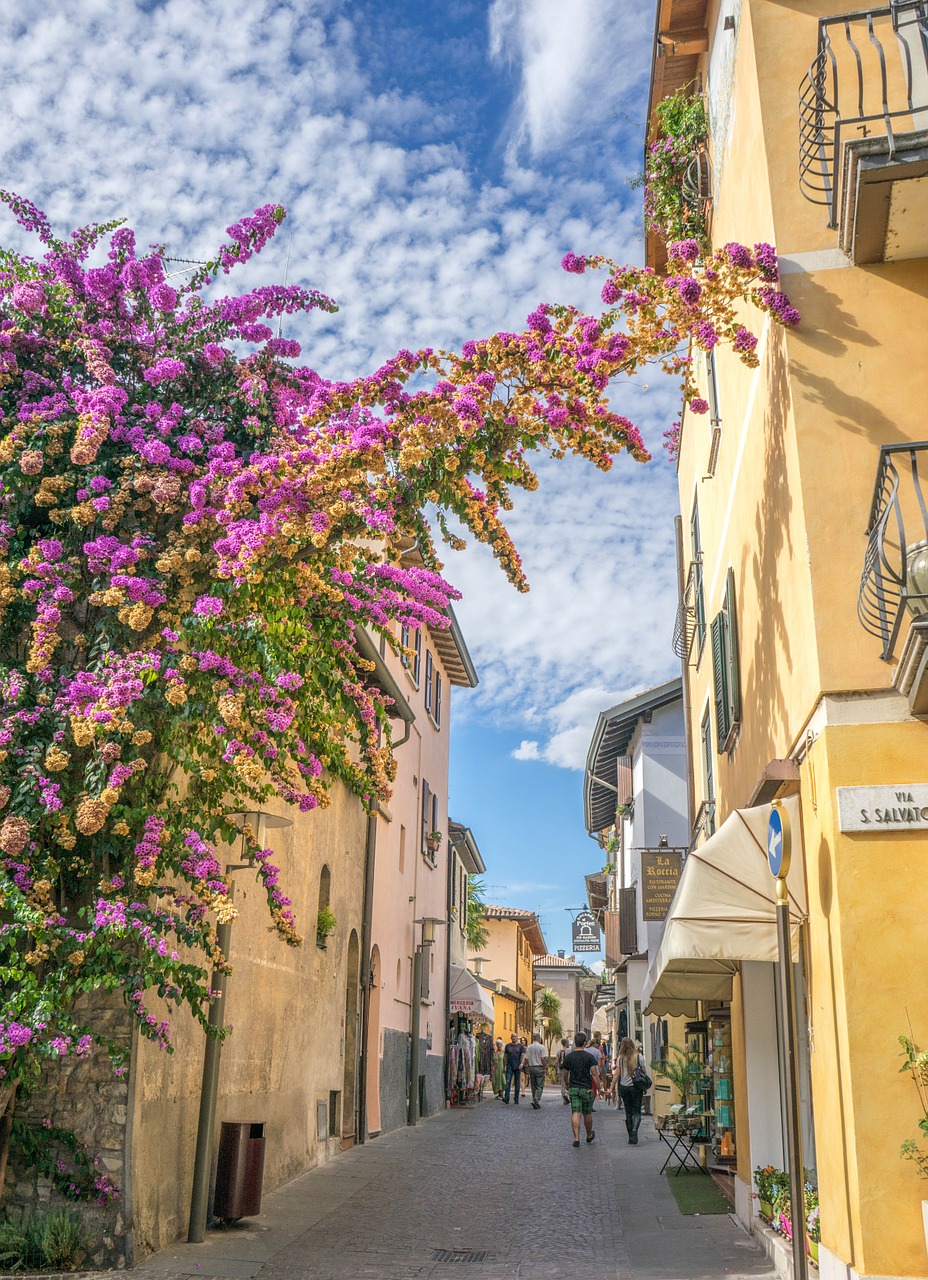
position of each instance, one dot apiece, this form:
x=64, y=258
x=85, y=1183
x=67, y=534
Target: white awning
x=466, y=995
x=724, y=911
x=600, y=1021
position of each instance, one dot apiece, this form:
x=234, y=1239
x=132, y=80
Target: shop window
x=699, y=598
x=428, y=681
x=726, y=673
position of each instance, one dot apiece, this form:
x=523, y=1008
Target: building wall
x=500, y=954
x=787, y=509
x=290, y=1044
x=408, y=886
x=564, y=982
x=504, y=1016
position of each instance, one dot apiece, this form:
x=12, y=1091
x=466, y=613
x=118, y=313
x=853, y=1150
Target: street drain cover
x=460, y=1255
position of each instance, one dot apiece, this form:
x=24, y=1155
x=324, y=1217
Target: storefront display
x=720, y=1060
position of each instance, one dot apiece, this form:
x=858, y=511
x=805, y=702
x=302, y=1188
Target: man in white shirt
x=535, y=1060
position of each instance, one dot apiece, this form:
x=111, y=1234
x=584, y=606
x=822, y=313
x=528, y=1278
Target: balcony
x=894, y=581
x=863, y=130
x=690, y=621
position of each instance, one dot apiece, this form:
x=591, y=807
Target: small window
x=428, y=680
x=436, y=709
x=708, y=766
x=325, y=888
x=404, y=641
x=402, y=849
x=417, y=660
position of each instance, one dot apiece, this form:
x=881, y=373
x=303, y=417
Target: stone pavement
x=500, y=1190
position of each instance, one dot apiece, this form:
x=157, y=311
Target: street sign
x=660, y=873
x=585, y=933
x=778, y=842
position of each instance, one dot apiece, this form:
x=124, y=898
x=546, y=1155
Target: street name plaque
x=900, y=807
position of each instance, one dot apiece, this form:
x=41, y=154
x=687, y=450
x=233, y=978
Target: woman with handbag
x=633, y=1080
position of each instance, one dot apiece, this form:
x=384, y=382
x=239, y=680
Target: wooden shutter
x=733, y=658
x=720, y=680
x=628, y=921
x=404, y=641
x=428, y=680
x=426, y=813
x=417, y=661
x=437, y=708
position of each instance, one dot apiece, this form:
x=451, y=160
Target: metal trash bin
x=240, y=1171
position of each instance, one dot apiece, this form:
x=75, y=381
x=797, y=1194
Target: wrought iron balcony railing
x=895, y=573
x=690, y=618
x=869, y=77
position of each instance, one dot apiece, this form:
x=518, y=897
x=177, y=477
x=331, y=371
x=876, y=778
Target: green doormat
x=697, y=1193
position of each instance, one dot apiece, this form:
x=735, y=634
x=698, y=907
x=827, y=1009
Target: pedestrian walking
x=535, y=1061
x=524, y=1044
x=595, y=1048
x=498, y=1079
x=631, y=1090
x=578, y=1071
x=561, y=1055
x=513, y=1054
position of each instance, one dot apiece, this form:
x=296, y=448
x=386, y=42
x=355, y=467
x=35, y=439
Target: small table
x=682, y=1139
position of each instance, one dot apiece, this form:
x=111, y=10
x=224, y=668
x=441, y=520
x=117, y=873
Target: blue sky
x=437, y=161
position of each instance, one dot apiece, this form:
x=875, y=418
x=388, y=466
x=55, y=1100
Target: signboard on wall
x=660, y=874
x=876, y=809
x=585, y=933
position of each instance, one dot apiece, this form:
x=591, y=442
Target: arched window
x=325, y=888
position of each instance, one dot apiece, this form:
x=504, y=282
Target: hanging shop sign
x=660, y=873
x=585, y=933
x=893, y=808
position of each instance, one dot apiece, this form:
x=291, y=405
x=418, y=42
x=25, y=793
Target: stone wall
x=434, y=1082
x=85, y=1097
x=394, y=1072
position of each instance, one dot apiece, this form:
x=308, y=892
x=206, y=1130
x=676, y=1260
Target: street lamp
x=209, y=1089
x=429, y=925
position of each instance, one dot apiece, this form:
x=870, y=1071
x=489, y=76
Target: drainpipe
x=366, y=926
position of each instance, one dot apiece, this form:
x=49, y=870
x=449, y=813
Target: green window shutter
x=720, y=679
x=734, y=663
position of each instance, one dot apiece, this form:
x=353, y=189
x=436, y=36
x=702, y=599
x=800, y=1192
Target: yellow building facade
x=804, y=528
x=514, y=937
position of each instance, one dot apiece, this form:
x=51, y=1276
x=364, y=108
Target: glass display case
x=698, y=1077
x=723, y=1098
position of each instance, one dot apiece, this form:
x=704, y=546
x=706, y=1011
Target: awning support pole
x=791, y=1060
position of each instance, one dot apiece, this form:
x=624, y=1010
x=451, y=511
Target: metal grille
x=894, y=573
x=460, y=1255
x=868, y=77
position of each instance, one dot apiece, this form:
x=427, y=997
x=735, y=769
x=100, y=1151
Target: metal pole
x=199, y=1195
x=412, y=1116
x=791, y=1058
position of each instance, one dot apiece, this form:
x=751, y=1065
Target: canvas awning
x=600, y=1021
x=466, y=995
x=723, y=912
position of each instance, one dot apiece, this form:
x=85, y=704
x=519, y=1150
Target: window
x=402, y=849
x=404, y=641
x=417, y=660
x=430, y=820
x=436, y=708
x=411, y=638
x=699, y=601
x=726, y=674
x=715, y=420
x=428, y=681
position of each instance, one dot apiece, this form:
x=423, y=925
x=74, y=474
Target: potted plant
x=813, y=1232
x=433, y=841
x=768, y=1180
x=325, y=924
x=782, y=1212
x=672, y=1069
x=916, y=1064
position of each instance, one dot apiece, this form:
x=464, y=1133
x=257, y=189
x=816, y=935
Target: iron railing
x=895, y=573
x=686, y=622
x=870, y=75
x=704, y=822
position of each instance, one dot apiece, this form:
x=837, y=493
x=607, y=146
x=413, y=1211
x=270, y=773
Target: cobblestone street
x=499, y=1189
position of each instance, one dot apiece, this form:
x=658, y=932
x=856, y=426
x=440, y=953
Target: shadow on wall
x=773, y=550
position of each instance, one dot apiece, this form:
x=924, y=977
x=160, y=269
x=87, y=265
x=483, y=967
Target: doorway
x=350, y=1087
x=372, y=1078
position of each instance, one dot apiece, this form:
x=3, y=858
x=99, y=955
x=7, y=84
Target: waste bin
x=240, y=1172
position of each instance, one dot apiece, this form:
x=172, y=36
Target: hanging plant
x=682, y=128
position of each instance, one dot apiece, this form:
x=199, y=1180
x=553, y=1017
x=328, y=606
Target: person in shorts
x=578, y=1071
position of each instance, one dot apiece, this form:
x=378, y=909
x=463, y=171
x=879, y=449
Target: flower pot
x=786, y=1226
x=812, y=1246
x=766, y=1209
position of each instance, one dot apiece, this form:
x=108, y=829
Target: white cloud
x=526, y=751
x=576, y=61
x=183, y=117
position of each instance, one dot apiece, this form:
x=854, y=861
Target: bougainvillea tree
x=191, y=536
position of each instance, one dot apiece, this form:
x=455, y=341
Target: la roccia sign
x=894, y=808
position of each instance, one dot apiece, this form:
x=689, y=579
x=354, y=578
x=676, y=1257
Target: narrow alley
x=499, y=1189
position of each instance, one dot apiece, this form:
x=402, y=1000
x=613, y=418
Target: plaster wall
x=762, y=1078
x=504, y=1017
x=410, y=886
x=564, y=983
x=287, y=1050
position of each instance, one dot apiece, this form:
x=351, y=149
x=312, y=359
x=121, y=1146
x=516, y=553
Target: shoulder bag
x=640, y=1078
